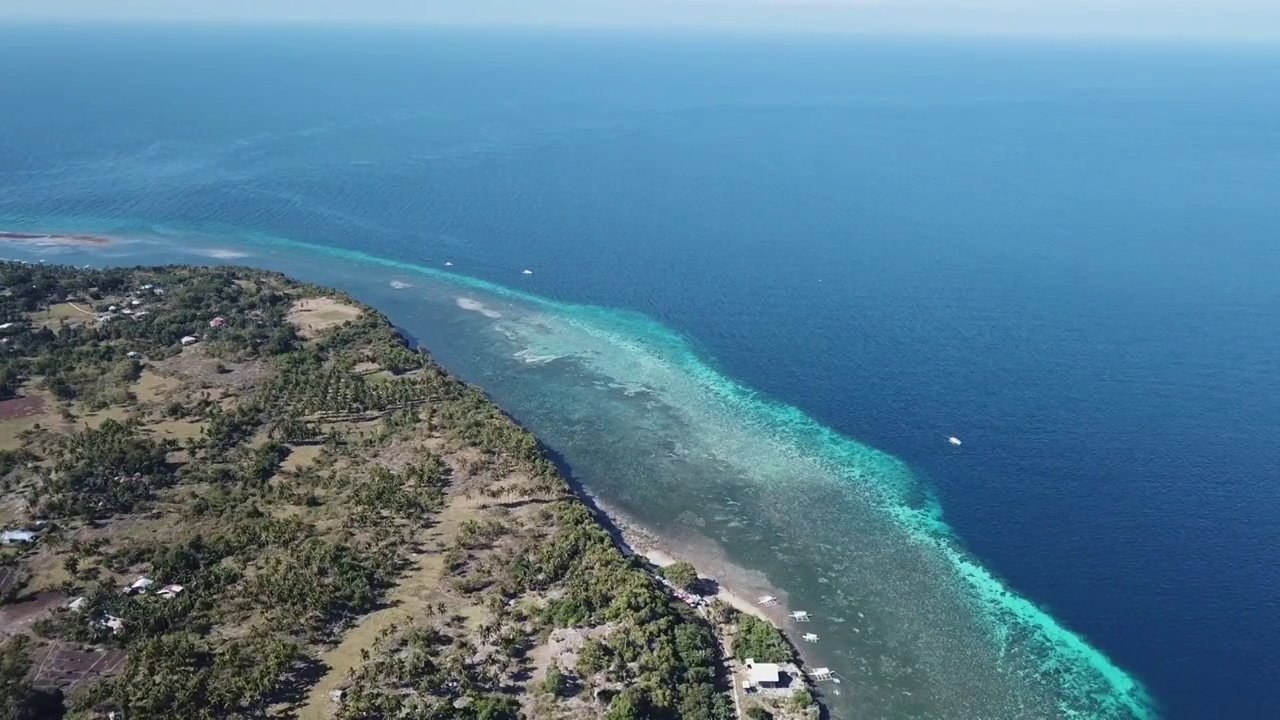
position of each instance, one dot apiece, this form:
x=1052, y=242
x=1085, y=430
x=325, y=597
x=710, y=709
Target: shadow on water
x=411, y=341
x=579, y=489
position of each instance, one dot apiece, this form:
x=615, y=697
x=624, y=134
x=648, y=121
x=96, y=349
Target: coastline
x=736, y=585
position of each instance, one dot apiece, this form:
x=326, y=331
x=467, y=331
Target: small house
x=114, y=623
x=217, y=322
x=170, y=591
x=133, y=355
x=190, y=340
x=8, y=327
x=764, y=675
x=141, y=585
x=13, y=537
x=113, y=308
x=135, y=303
x=78, y=604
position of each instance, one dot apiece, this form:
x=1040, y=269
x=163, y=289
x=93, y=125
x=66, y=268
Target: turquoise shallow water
x=915, y=626
x=770, y=278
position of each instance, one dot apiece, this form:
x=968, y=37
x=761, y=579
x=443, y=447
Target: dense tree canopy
x=286, y=483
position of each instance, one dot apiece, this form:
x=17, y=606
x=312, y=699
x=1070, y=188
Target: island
x=228, y=494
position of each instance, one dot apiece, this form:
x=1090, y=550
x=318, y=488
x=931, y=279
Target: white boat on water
x=953, y=440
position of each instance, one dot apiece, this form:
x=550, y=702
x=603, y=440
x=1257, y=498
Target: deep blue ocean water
x=755, y=259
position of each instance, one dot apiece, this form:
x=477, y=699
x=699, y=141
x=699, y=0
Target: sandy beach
x=736, y=585
x=53, y=238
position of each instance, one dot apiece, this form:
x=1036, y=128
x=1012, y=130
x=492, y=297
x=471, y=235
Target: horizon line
x=418, y=24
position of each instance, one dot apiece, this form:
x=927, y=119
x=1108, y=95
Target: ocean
x=768, y=277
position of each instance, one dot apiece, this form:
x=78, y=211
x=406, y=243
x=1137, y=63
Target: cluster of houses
x=129, y=309
x=133, y=308
x=215, y=323
x=141, y=586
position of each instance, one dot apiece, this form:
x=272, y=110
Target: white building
x=765, y=675
x=11, y=537
x=190, y=340
x=170, y=591
x=142, y=584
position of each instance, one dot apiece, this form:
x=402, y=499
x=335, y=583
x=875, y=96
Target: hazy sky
x=1251, y=19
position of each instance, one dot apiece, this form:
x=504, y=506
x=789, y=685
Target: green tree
x=760, y=640
x=682, y=574
x=802, y=700
x=495, y=707
x=630, y=704
x=554, y=682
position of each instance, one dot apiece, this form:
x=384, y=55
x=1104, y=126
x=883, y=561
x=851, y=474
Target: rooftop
x=762, y=672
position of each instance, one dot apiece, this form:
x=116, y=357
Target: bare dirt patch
x=301, y=456
x=68, y=313
x=21, y=407
x=366, y=368
x=152, y=387
x=17, y=415
x=95, y=419
x=312, y=316
x=18, y=617
x=194, y=369
x=178, y=429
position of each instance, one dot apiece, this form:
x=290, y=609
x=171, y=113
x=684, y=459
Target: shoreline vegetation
x=227, y=494
x=54, y=238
